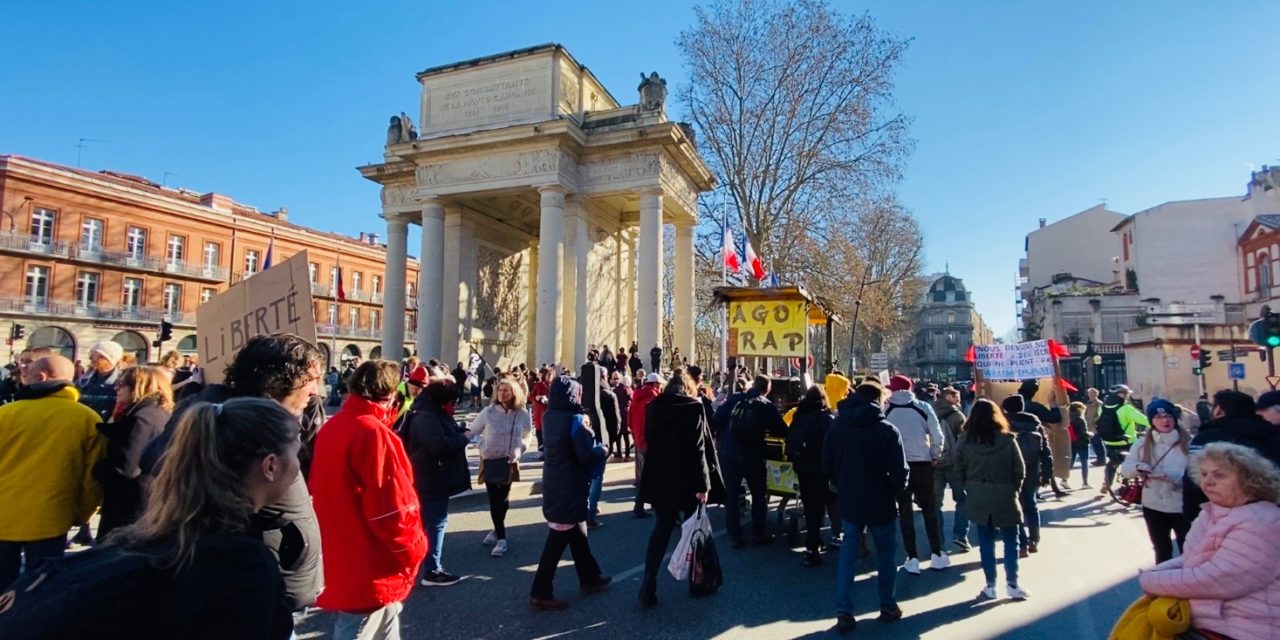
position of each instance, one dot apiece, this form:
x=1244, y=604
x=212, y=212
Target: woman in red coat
x=362, y=487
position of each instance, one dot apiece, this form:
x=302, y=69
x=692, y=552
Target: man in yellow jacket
x=48, y=445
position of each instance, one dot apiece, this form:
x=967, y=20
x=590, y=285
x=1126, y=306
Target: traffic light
x=18, y=332
x=166, y=330
x=1271, y=330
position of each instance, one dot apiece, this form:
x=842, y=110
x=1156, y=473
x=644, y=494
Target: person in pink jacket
x=1230, y=569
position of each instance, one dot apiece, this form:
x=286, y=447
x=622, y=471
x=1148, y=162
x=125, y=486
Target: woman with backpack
x=1159, y=458
x=194, y=565
x=1080, y=438
x=144, y=401
x=809, y=428
x=676, y=477
x=991, y=467
x=1033, y=444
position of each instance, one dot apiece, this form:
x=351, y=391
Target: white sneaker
x=1017, y=593
x=490, y=539
x=1064, y=486
x=912, y=566
x=939, y=562
x=499, y=548
x=988, y=593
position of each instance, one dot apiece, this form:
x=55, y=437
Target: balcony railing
x=328, y=291
x=26, y=243
x=96, y=311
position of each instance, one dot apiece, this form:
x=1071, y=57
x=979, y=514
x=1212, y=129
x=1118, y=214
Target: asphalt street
x=1080, y=581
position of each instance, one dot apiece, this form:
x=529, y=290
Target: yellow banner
x=771, y=329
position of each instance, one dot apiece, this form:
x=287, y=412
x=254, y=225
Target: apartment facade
x=88, y=256
x=947, y=324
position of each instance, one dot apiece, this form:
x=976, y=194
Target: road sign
x=1235, y=370
x=1180, y=309
x=879, y=361
x=1195, y=352
x=1273, y=381
x=1182, y=320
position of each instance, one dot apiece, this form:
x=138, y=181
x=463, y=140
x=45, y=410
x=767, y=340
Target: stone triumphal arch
x=542, y=202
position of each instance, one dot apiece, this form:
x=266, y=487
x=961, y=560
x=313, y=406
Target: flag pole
x=724, y=282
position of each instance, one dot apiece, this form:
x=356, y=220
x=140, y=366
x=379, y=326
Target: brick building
x=88, y=256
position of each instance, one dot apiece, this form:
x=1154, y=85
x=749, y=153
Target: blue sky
x=1021, y=110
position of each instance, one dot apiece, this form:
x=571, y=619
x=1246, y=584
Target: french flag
x=730, y=253
x=753, y=263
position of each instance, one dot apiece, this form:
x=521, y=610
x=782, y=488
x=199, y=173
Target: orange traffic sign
x=1273, y=381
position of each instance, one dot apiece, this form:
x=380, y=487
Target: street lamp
x=13, y=224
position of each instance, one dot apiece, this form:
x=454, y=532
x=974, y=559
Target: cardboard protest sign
x=1015, y=361
x=767, y=328
x=277, y=300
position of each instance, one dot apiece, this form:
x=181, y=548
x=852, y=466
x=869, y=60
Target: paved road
x=1080, y=582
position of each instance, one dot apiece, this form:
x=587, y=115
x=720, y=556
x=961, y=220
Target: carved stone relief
x=497, y=291
x=397, y=195
x=619, y=168
x=492, y=167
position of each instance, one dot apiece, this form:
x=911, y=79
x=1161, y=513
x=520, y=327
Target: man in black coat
x=1236, y=420
x=742, y=449
x=655, y=359
x=437, y=449
x=864, y=459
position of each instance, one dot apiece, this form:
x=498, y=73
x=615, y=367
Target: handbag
x=681, y=563
x=1132, y=492
x=705, y=573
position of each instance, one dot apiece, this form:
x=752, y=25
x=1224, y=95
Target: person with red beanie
x=362, y=487
x=639, y=400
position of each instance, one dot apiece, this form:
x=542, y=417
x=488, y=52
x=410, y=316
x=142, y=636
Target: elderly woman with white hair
x=1230, y=569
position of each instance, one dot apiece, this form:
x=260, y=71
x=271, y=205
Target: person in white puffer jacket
x=1160, y=456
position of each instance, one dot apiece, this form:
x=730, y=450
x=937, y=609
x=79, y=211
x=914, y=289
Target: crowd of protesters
x=225, y=510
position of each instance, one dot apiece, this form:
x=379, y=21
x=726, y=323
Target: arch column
x=550, y=259
x=684, y=285
x=649, y=271
x=393, y=292
x=576, y=298
x=431, y=279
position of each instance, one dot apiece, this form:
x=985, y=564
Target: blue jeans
x=593, y=497
x=35, y=552
x=1029, y=530
x=987, y=548
x=1083, y=454
x=885, y=537
x=941, y=478
x=435, y=516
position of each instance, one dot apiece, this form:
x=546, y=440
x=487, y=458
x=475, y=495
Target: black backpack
x=104, y=592
x=910, y=405
x=748, y=421
x=1108, y=426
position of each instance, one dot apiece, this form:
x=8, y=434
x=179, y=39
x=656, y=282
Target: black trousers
x=818, y=502
x=736, y=469
x=1160, y=526
x=919, y=488
x=499, y=504
x=583, y=562
x=666, y=522
x=615, y=440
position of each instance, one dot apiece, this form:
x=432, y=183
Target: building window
x=333, y=278
x=37, y=284
x=1264, y=276
x=376, y=284
x=355, y=281
x=951, y=318
x=176, y=251
x=132, y=294
x=952, y=353
x=374, y=319
x=42, y=226
x=91, y=235
x=172, y=298
x=212, y=254
x=207, y=294
x=353, y=314
x=333, y=314
x=87, y=289
x=312, y=270
x=250, y=263
x=136, y=243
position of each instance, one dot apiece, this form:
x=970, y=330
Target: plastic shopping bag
x=682, y=557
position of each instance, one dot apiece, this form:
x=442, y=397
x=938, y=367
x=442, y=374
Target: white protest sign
x=277, y=300
x=1015, y=361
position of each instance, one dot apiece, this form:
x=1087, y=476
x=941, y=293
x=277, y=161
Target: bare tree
x=793, y=106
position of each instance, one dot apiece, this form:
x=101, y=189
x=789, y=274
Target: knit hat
x=109, y=350
x=1013, y=404
x=653, y=377
x=418, y=376
x=1268, y=400
x=1160, y=405
x=900, y=383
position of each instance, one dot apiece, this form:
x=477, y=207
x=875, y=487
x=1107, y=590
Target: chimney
x=282, y=214
x=373, y=239
x=217, y=202
x=1042, y=221
x=363, y=237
